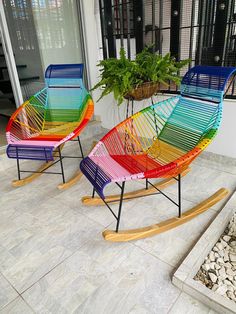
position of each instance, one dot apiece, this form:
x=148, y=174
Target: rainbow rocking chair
x=40, y=127
x=160, y=142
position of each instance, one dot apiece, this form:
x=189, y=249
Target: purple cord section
x=30, y=152
x=95, y=175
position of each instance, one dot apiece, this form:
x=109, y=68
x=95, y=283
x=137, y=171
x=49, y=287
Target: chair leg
x=62, y=169
x=96, y=173
x=120, y=206
x=18, y=168
x=179, y=195
x=18, y=164
x=80, y=146
x=163, y=226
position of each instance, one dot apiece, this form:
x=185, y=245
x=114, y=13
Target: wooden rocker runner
x=160, y=141
x=41, y=126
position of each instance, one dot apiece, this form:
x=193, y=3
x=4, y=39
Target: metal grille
x=202, y=30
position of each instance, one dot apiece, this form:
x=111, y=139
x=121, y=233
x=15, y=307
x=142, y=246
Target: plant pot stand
x=142, y=92
x=130, y=106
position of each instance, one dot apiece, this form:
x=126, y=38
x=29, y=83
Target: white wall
x=223, y=144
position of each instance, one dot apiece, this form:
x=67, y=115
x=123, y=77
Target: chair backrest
x=64, y=75
x=206, y=82
x=199, y=107
x=66, y=93
x=188, y=122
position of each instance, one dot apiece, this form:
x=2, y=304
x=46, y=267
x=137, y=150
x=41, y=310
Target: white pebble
x=212, y=265
x=206, y=267
x=213, y=277
x=220, y=261
x=227, y=282
x=212, y=256
x=219, y=246
x=226, y=238
x=230, y=288
x=223, y=243
x=215, y=286
x=221, y=289
x=226, y=257
x=222, y=273
x=227, y=248
x=232, y=257
x=233, y=244
x=229, y=272
x=228, y=265
x=230, y=295
x=220, y=264
x=230, y=278
x=221, y=253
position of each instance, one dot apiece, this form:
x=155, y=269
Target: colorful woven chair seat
x=162, y=140
x=54, y=115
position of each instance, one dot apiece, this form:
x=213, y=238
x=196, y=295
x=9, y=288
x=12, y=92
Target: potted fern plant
x=140, y=78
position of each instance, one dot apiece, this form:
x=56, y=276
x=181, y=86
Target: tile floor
x=3, y=125
x=53, y=258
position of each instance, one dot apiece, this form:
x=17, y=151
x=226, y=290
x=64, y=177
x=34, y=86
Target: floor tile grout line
x=84, y=215
x=214, y=168
x=28, y=304
x=55, y=266
x=147, y=252
x=134, y=244
x=158, y=258
x=4, y=306
x=172, y=306
x=18, y=295
x=10, y=283
x=21, y=294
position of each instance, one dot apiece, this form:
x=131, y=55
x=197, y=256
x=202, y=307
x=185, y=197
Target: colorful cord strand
x=54, y=115
x=163, y=139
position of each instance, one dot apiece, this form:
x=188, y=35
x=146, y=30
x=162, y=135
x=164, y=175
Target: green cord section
x=66, y=115
x=190, y=122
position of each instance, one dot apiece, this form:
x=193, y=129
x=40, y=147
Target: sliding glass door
x=42, y=32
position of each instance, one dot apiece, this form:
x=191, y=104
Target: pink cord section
x=110, y=166
x=100, y=156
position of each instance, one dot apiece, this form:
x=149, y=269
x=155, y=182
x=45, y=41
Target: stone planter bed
x=218, y=272
x=208, y=273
